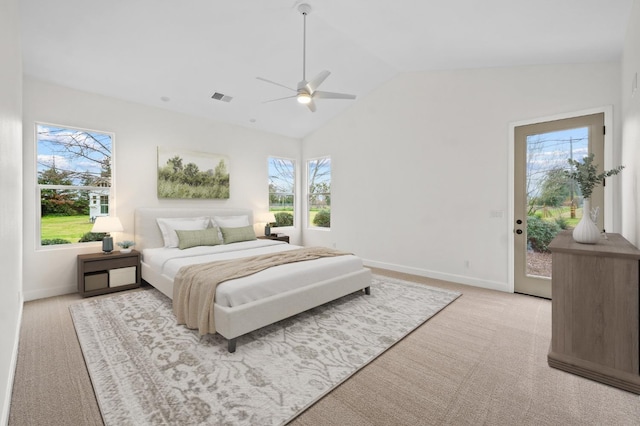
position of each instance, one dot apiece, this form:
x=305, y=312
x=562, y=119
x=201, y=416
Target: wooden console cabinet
x=596, y=310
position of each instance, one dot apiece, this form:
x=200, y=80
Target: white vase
x=586, y=232
x=125, y=250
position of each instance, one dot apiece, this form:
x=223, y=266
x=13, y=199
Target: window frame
x=294, y=188
x=40, y=187
x=309, y=224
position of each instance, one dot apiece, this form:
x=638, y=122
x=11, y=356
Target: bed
x=246, y=304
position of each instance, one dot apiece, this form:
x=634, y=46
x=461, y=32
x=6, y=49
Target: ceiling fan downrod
x=304, y=9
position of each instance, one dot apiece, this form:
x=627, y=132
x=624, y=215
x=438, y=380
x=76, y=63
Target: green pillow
x=200, y=237
x=235, y=235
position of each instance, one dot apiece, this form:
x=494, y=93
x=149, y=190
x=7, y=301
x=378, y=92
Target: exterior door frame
x=608, y=164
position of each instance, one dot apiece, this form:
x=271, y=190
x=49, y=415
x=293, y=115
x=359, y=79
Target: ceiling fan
x=307, y=91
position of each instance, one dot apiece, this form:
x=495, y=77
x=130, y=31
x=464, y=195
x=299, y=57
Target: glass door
x=547, y=202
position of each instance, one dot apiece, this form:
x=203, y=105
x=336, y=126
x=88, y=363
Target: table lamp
x=107, y=224
x=269, y=218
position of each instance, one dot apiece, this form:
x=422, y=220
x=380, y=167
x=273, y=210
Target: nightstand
x=276, y=237
x=100, y=273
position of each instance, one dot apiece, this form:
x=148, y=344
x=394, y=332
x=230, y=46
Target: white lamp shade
x=269, y=217
x=107, y=224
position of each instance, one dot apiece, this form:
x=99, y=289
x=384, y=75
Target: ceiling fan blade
x=277, y=84
x=279, y=99
x=332, y=95
x=313, y=84
x=312, y=106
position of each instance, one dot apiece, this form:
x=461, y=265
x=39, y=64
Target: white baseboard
x=460, y=279
x=49, y=292
x=6, y=404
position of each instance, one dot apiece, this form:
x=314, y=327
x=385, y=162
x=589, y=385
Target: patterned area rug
x=146, y=370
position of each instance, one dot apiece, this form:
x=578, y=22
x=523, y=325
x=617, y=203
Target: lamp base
x=107, y=245
x=267, y=230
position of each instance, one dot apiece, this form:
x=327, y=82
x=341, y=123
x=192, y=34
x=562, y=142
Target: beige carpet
x=148, y=370
x=480, y=361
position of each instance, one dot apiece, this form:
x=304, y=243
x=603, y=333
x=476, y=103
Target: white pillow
x=168, y=227
x=232, y=221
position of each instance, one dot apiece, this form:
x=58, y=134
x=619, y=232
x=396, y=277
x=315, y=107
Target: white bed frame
x=232, y=322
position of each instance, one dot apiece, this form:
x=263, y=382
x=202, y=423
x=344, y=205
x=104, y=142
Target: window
x=74, y=182
x=319, y=192
x=282, y=178
x=104, y=205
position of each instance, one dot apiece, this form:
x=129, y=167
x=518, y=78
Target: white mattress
x=257, y=286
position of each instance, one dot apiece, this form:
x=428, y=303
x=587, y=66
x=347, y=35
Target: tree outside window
x=319, y=192
x=282, y=178
x=550, y=194
x=74, y=182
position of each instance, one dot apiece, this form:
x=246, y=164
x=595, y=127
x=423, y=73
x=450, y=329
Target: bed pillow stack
x=235, y=229
x=186, y=232
x=201, y=237
x=169, y=226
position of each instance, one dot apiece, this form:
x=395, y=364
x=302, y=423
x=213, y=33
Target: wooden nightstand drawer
x=112, y=263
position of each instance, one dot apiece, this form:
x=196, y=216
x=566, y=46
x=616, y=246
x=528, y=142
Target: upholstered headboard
x=147, y=231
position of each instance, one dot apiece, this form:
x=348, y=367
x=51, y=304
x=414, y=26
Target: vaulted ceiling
x=176, y=54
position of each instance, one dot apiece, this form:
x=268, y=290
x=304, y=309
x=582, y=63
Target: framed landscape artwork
x=187, y=174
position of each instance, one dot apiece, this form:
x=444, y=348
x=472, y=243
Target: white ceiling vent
x=221, y=97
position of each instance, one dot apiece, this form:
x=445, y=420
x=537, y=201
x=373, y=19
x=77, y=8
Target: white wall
x=420, y=164
x=11, y=205
x=138, y=130
x=631, y=129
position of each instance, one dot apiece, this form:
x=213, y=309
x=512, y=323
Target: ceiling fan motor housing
x=304, y=8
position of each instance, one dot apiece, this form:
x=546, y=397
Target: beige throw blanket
x=194, y=287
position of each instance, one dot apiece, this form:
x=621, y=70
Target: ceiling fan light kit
x=307, y=91
x=304, y=98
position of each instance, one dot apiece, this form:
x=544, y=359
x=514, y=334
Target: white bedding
x=254, y=287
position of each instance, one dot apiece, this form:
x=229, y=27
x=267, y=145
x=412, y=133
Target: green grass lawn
x=550, y=213
x=70, y=228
